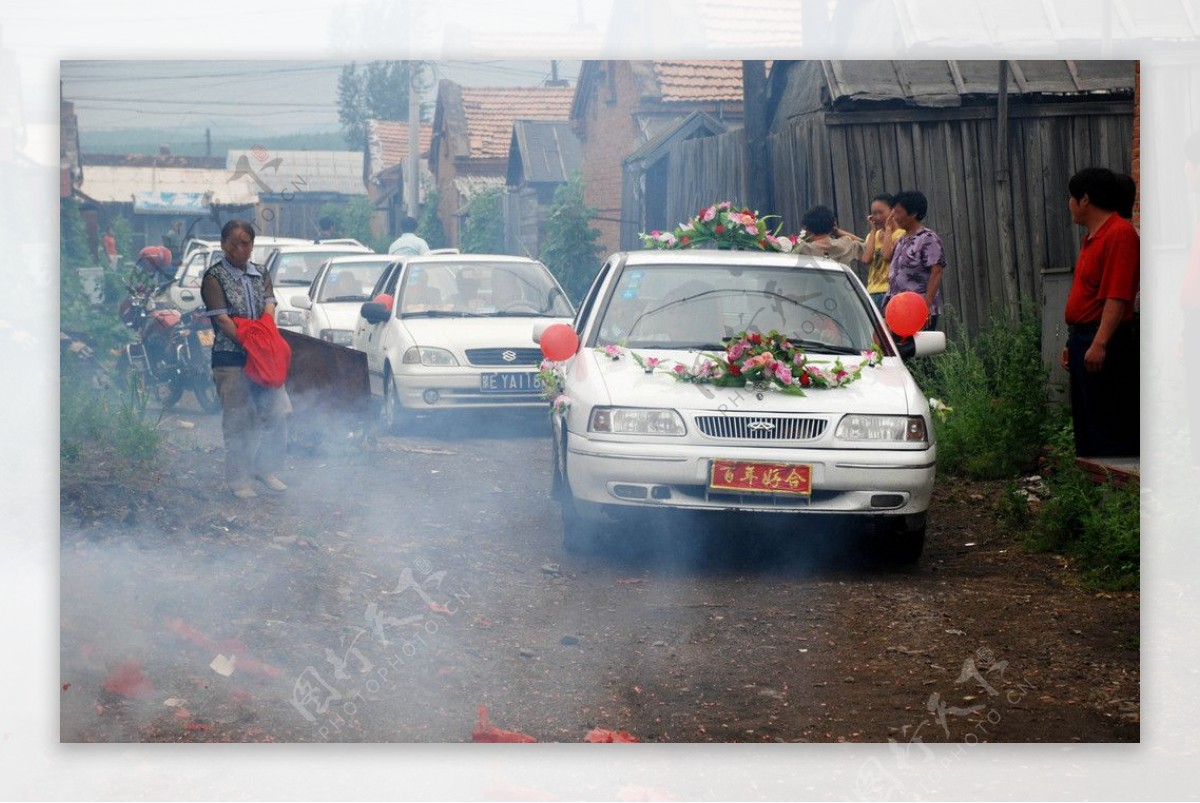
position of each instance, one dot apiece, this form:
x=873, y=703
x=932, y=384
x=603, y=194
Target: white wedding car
x=330, y=309
x=451, y=332
x=633, y=436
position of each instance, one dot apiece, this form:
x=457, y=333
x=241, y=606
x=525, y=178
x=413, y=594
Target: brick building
x=384, y=167
x=621, y=105
x=472, y=133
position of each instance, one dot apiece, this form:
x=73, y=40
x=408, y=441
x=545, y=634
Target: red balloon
x=906, y=313
x=559, y=342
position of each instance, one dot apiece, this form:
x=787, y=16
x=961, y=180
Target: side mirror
x=538, y=330
x=301, y=302
x=922, y=344
x=186, y=295
x=374, y=312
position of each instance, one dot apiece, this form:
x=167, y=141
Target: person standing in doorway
x=110, y=248
x=253, y=417
x=408, y=243
x=879, y=246
x=1101, y=354
x=918, y=259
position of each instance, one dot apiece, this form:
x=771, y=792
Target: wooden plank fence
x=842, y=159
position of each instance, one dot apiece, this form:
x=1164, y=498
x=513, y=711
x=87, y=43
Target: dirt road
x=396, y=589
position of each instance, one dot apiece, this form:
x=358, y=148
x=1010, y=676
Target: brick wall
x=609, y=133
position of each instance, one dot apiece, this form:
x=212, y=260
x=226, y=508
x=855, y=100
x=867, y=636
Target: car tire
x=905, y=547
x=392, y=415
x=582, y=534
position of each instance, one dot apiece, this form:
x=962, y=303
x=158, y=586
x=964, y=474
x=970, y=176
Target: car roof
x=383, y=258
x=459, y=258
x=307, y=246
x=698, y=256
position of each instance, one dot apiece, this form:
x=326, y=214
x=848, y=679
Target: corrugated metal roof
x=945, y=83
x=118, y=183
x=549, y=151
x=303, y=171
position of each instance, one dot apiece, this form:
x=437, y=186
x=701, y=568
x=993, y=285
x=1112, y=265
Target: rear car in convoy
x=631, y=437
x=199, y=255
x=330, y=308
x=451, y=332
x=292, y=269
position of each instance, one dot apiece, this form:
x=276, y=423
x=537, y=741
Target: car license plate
x=206, y=336
x=746, y=476
x=496, y=382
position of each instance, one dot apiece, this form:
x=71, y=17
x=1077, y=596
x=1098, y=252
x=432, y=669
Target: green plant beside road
x=483, y=229
x=1096, y=525
x=569, y=248
x=995, y=385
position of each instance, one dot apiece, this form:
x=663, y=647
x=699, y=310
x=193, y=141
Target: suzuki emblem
x=509, y=355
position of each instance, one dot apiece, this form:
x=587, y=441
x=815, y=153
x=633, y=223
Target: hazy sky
x=274, y=97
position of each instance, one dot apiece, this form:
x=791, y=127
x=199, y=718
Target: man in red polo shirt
x=1101, y=354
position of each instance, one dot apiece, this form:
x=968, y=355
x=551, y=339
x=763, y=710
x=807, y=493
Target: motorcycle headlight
x=289, y=317
x=429, y=355
x=636, y=421
x=342, y=337
x=896, y=428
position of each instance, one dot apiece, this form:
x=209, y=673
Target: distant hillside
x=191, y=143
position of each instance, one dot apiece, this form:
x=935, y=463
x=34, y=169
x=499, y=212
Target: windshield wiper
x=440, y=313
x=503, y=314
x=824, y=348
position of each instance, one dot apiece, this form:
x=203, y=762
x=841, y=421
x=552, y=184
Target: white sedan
x=293, y=268
x=451, y=332
x=331, y=306
x=650, y=414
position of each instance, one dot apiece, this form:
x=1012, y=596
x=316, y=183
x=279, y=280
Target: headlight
x=342, y=337
x=636, y=421
x=428, y=355
x=906, y=428
x=289, y=317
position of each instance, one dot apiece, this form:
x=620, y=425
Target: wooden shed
x=994, y=164
x=542, y=157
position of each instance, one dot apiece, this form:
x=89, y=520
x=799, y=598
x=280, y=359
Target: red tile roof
x=704, y=81
x=490, y=112
x=387, y=142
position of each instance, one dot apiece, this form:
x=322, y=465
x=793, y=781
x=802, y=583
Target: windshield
x=300, y=268
x=351, y=281
x=482, y=289
x=701, y=306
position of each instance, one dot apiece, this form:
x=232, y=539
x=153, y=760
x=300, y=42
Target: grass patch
x=1097, y=526
x=93, y=420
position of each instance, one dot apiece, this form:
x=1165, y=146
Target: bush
x=995, y=385
x=1098, y=525
x=569, y=248
x=483, y=229
x=91, y=422
x=429, y=225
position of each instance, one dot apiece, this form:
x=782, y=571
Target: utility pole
x=412, y=177
x=754, y=126
x=208, y=142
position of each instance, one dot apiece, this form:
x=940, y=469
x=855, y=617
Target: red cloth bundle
x=268, y=356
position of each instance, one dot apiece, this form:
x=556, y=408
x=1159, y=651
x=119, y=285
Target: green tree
x=429, y=225
x=351, y=218
x=72, y=236
x=483, y=229
x=379, y=90
x=569, y=247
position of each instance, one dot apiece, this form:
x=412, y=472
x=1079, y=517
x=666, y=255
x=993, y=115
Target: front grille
x=761, y=427
x=520, y=356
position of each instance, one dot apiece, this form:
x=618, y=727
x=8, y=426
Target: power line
x=241, y=74
x=253, y=103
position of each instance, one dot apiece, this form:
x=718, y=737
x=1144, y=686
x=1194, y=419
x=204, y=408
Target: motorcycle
x=172, y=354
